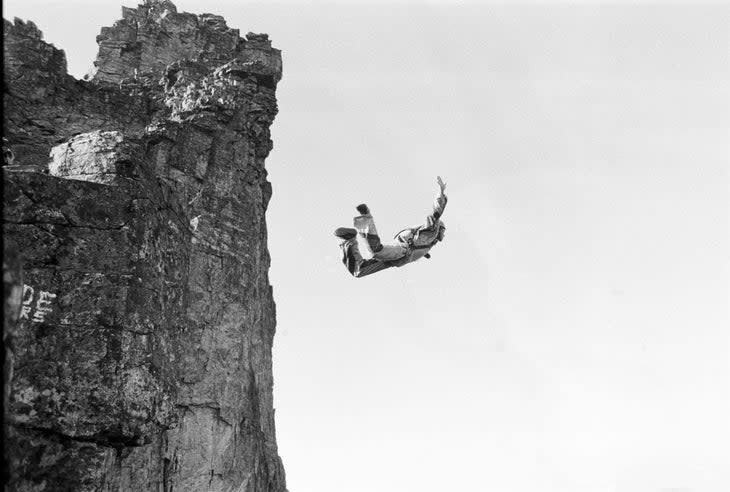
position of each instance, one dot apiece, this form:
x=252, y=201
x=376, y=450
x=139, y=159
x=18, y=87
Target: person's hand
x=442, y=185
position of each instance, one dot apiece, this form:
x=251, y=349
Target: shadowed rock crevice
x=139, y=354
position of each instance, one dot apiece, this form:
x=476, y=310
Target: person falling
x=412, y=243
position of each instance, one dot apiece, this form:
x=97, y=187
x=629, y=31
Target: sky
x=571, y=332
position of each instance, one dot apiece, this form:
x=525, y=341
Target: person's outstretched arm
x=439, y=204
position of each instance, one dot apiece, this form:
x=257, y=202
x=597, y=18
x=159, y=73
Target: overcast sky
x=571, y=332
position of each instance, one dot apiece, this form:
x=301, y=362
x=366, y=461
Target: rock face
x=139, y=316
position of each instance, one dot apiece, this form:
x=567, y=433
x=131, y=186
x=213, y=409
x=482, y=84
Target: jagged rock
x=100, y=157
x=12, y=301
x=155, y=35
x=142, y=347
x=8, y=155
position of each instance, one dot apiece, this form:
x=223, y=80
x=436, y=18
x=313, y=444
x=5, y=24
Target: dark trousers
x=356, y=264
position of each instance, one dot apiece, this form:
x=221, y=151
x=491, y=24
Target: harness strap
x=409, y=242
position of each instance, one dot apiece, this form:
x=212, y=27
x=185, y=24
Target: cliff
x=139, y=316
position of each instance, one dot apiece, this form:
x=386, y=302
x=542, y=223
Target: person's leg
x=365, y=226
x=368, y=267
x=391, y=252
x=351, y=257
x=355, y=263
x=373, y=241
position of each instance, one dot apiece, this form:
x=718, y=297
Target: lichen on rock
x=141, y=351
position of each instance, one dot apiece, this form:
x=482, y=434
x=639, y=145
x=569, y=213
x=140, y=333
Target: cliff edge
x=139, y=315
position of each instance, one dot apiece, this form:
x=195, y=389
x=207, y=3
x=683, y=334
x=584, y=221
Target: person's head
x=441, y=230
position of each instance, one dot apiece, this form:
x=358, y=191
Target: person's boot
x=345, y=233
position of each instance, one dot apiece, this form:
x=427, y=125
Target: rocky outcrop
x=141, y=348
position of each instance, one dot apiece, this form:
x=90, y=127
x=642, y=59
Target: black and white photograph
x=366, y=246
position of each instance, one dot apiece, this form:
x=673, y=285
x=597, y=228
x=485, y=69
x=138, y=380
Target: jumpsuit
x=411, y=244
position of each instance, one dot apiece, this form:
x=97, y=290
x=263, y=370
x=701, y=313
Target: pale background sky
x=571, y=333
